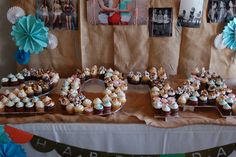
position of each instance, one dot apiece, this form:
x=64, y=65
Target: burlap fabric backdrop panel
x=130, y=48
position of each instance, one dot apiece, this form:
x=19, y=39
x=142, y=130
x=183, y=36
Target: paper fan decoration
x=22, y=57
x=11, y=150
x=219, y=43
x=52, y=41
x=30, y=34
x=229, y=35
x=14, y=13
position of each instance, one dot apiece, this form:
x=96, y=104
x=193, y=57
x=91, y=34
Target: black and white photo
x=58, y=13
x=160, y=22
x=221, y=11
x=190, y=13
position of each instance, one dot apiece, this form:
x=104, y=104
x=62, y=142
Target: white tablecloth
x=131, y=138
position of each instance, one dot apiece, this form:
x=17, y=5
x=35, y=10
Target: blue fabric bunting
x=11, y=150
x=22, y=57
x=30, y=34
x=229, y=33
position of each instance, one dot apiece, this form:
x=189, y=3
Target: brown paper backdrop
x=130, y=48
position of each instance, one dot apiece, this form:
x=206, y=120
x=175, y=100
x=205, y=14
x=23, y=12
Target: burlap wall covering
x=130, y=48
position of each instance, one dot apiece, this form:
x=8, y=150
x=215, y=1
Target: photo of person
x=190, y=13
x=117, y=12
x=60, y=14
x=160, y=22
x=221, y=11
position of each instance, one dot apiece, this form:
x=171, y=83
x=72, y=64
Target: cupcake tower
x=38, y=81
x=49, y=77
x=18, y=102
x=74, y=102
x=163, y=96
x=206, y=88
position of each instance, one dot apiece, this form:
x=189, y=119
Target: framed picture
x=117, y=12
x=221, y=11
x=58, y=13
x=190, y=13
x=160, y=22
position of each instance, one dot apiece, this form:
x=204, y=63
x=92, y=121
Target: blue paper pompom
x=22, y=57
x=229, y=34
x=30, y=34
x=11, y=150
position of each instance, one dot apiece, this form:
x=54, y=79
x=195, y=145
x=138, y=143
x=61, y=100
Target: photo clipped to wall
x=58, y=13
x=160, y=22
x=190, y=13
x=117, y=12
x=221, y=11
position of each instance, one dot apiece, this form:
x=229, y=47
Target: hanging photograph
x=160, y=22
x=221, y=10
x=190, y=13
x=117, y=12
x=58, y=13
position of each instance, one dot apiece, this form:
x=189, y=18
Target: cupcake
x=171, y=93
x=4, y=100
x=87, y=103
x=102, y=71
x=107, y=106
x=79, y=109
x=222, y=103
x=20, y=78
x=5, y=82
x=116, y=104
x=107, y=92
x=20, y=107
x=122, y=97
x=22, y=94
x=166, y=111
x=26, y=100
x=2, y=107
x=182, y=100
x=70, y=108
x=29, y=107
x=37, y=90
x=146, y=78
x=87, y=73
x=98, y=109
x=64, y=101
x=88, y=110
x=129, y=76
x=14, y=81
x=193, y=101
x=212, y=98
x=135, y=80
x=174, y=109
x=10, y=106
x=94, y=71
x=230, y=101
x=29, y=92
x=157, y=105
x=202, y=100
x=226, y=110
x=39, y=106
x=49, y=104
x=45, y=88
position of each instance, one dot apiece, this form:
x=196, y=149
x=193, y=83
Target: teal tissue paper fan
x=30, y=34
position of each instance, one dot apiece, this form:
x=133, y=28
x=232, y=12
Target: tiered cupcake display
x=33, y=82
x=74, y=102
x=18, y=102
x=205, y=88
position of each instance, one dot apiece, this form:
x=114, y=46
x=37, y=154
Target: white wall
x=7, y=47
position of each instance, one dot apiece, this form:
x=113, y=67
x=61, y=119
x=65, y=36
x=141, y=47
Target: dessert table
x=133, y=130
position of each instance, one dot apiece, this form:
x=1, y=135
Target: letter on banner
x=221, y=152
x=196, y=155
x=67, y=151
x=42, y=144
x=93, y=154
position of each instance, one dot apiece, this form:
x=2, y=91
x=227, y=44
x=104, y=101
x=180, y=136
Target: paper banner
x=18, y=136
x=42, y=145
